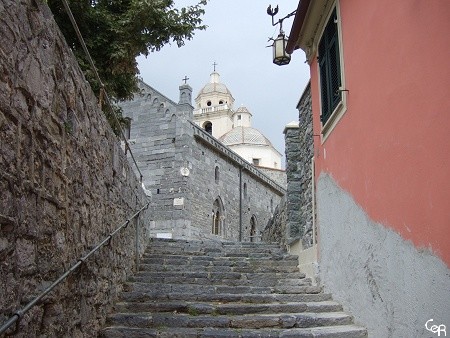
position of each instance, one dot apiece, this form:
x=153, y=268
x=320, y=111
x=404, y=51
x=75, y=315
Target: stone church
x=215, y=113
x=208, y=172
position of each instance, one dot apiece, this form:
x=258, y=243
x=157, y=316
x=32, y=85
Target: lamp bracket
x=273, y=12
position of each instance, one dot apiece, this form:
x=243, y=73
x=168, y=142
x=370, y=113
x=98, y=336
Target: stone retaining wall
x=293, y=221
x=303, y=171
x=65, y=183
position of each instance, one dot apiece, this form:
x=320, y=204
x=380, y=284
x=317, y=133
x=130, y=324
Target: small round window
x=208, y=103
x=221, y=102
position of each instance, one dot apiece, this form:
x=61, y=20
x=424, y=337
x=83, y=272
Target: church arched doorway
x=218, y=221
x=253, y=236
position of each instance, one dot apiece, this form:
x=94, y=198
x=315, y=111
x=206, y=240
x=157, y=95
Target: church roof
x=243, y=109
x=244, y=135
x=214, y=86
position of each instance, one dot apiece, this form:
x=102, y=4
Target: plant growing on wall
x=117, y=31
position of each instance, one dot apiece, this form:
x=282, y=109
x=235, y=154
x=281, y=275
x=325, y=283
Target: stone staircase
x=220, y=289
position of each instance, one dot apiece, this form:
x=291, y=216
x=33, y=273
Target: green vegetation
x=192, y=311
x=117, y=31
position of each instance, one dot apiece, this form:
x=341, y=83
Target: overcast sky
x=236, y=39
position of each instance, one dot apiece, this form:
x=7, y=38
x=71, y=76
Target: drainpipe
x=240, y=204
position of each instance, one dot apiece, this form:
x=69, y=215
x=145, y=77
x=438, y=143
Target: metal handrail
x=19, y=314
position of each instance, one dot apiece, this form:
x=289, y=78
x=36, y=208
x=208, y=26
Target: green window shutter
x=329, y=68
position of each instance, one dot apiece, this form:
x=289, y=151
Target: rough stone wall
x=293, y=160
x=259, y=196
x=179, y=170
x=275, y=230
x=295, y=217
x=65, y=183
x=303, y=172
x=157, y=138
x=390, y=286
x=277, y=175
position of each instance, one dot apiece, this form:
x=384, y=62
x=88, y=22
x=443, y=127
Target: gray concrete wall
x=389, y=285
x=65, y=183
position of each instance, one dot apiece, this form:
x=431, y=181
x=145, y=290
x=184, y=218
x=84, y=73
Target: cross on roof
x=215, y=64
x=185, y=79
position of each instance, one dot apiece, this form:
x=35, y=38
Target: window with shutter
x=330, y=68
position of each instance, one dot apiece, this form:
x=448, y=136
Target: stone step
x=227, y=309
x=341, y=331
x=217, y=288
x=209, y=243
x=224, y=289
x=248, y=321
x=220, y=268
x=230, y=279
x=210, y=247
x=211, y=252
x=221, y=260
x=276, y=276
x=136, y=296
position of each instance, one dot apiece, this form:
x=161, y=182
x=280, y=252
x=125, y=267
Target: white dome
x=214, y=86
x=244, y=135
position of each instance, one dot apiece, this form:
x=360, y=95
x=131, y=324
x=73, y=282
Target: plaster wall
x=242, y=119
x=268, y=156
x=221, y=122
x=390, y=150
x=388, y=284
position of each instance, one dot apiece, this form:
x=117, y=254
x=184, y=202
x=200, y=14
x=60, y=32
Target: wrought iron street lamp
x=280, y=56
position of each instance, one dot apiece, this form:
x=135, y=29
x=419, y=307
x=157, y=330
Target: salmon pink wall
x=391, y=149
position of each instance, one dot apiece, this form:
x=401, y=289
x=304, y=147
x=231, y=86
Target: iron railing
x=20, y=313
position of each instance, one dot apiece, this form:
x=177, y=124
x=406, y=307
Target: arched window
x=216, y=174
x=208, y=127
x=218, y=221
x=253, y=237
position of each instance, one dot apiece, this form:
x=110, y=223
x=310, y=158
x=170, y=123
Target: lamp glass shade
x=280, y=57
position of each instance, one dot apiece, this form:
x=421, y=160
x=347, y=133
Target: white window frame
x=341, y=108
